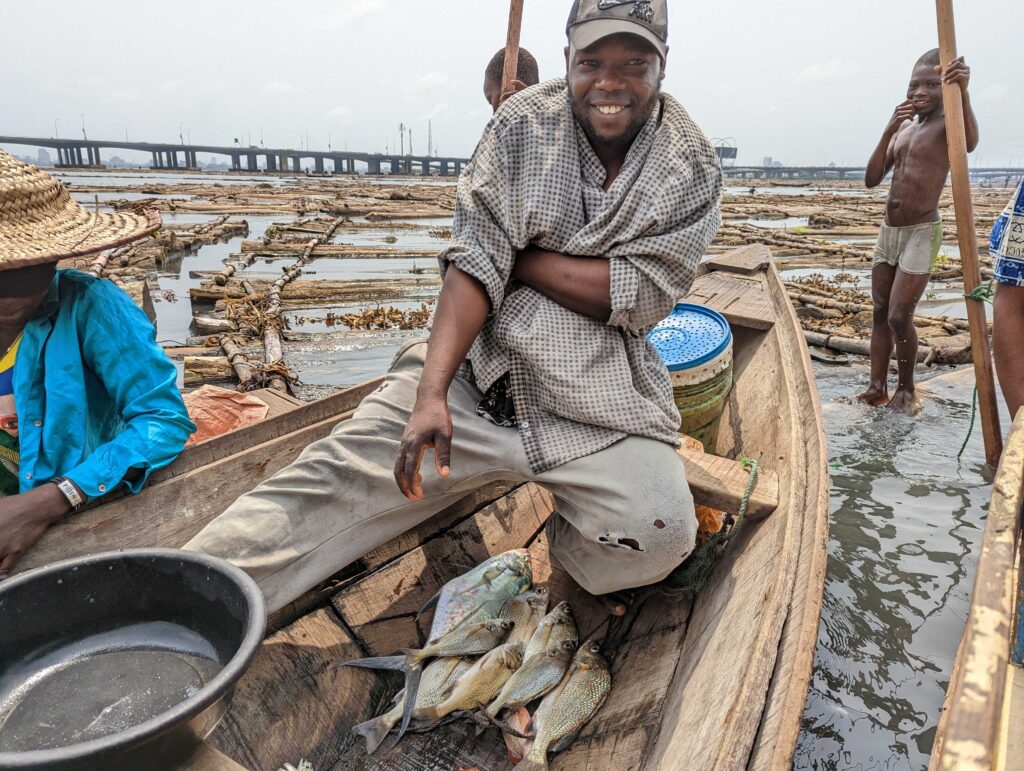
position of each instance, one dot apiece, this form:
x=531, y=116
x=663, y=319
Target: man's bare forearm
x=462, y=309
x=581, y=284
x=970, y=123
x=877, y=164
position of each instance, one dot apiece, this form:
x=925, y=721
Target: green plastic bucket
x=695, y=343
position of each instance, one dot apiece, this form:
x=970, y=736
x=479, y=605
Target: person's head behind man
x=615, y=62
x=925, y=87
x=527, y=74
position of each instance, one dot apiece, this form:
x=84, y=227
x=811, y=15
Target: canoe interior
x=719, y=680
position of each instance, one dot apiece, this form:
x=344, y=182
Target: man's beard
x=625, y=139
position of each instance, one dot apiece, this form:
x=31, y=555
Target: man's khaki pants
x=624, y=517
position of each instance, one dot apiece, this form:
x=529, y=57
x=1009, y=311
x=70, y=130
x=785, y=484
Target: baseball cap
x=591, y=20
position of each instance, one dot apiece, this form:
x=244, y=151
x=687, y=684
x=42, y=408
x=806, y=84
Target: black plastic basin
x=121, y=660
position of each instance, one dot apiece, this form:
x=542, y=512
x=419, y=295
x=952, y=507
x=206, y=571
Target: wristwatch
x=67, y=487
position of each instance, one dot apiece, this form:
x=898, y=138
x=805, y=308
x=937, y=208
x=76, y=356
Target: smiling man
x=579, y=223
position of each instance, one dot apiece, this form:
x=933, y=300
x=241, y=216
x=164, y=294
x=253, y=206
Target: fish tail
x=378, y=662
x=376, y=730
x=414, y=658
x=426, y=717
x=412, y=687
x=533, y=763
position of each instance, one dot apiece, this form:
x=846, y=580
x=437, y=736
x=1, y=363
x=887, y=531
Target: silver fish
x=556, y=626
x=466, y=640
x=479, y=594
x=438, y=678
x=565, y=710
x=477, y=686
x=526, y=609
x=534, y=678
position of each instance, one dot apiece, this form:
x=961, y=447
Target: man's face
x=21, y=291
x=614, y=86
x=925, y=89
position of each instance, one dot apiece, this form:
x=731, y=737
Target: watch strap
x=66, y=486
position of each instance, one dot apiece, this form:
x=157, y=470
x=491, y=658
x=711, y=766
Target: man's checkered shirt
x=580, y=384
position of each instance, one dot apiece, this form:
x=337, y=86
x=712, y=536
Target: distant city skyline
x=811, y=86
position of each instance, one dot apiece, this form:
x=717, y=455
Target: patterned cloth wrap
x=1007, y=243
x=8, y=424
x=580, y=384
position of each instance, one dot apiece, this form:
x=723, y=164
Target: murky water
x=905, y=523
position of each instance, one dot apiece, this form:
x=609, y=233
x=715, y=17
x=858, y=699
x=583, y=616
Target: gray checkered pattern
x=580, y=384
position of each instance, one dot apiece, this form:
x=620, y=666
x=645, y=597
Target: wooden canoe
x=982, y=721
x=713, y=682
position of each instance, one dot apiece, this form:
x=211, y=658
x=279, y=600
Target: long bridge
x=844, y=172
x=87, y=153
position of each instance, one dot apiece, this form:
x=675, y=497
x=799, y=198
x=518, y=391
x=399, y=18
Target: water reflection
x=906, y=520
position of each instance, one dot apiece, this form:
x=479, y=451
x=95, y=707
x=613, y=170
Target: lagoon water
x=906, y=515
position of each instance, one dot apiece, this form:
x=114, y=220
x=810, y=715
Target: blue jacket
x=94, y=393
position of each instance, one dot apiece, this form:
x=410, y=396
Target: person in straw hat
x=87, y=398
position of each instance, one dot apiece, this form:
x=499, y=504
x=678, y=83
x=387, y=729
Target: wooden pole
x=515, y=25
x=967, y=237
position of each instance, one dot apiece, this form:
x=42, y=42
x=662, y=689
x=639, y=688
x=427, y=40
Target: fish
x=556, y=626
x=566, y=709
x=479, y=594
x=526, y=609
x=534, y=678
x=477, y=686
x=438, y=678
x=466, y=640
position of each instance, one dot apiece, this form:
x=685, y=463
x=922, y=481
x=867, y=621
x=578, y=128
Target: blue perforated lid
x=690, y=336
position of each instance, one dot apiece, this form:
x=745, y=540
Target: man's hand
x=23, y=520
x=517, y=86
x=956, y=72
x=430, y=425
x=904, y=111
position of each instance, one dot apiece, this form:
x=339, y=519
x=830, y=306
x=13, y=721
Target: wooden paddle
x=515, y=25
x=967, y=237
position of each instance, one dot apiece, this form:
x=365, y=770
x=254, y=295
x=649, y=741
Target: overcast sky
x=804, y=81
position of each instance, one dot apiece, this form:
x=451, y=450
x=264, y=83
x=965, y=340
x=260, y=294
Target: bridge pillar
x=319, y=164
x=96, y=157
x=339, y=165
x=250, y=162
x=78, y=157
x=296, y=164
x=425, y=167
x=236, y=162
x=271, y=162
x=351, y=163
x=282, y=162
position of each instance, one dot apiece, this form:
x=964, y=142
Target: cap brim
x=585, y=34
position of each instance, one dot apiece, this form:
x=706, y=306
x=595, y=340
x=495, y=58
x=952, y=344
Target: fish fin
x=412, y=688
x=378, y=662
x=565, y=741
x=431, y=603
x=530, y=764
x=375, y=731
x=414, y=658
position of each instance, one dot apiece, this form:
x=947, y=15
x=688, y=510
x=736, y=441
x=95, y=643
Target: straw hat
x=40, y=222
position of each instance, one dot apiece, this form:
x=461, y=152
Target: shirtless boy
x=913, y=146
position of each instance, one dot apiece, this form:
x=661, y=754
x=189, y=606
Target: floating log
x=238, y=360
x=208, y=325
x=202, y=369
x=349, y=251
